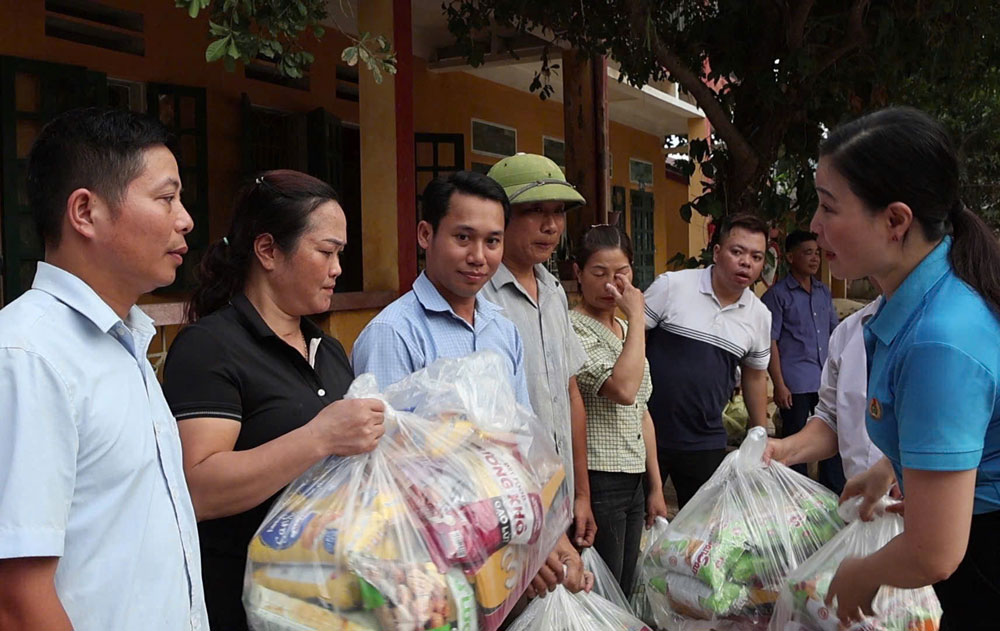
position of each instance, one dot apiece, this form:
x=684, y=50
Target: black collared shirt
x=231, y=365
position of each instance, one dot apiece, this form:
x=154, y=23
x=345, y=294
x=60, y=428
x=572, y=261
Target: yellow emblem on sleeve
x=875, y=409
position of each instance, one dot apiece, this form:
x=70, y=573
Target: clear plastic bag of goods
x=441, y=527
x=800, y=605
x=639, y=600
x=562, y=611
x=721, y=562
x=605, y=583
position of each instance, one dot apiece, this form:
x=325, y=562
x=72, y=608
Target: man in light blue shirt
x=443, y=315
x=97, y=531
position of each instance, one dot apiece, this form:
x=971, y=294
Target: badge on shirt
x=875, y=409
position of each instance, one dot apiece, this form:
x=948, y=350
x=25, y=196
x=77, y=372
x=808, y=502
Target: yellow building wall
x=175, y=53
x=668, y=194
x=446, y=102
x=697, y=232
x=346, y=326
x=378, y=161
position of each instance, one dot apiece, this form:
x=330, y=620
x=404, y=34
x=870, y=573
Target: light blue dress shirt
x=933, y=399
x=90, y=462
x=420, y=327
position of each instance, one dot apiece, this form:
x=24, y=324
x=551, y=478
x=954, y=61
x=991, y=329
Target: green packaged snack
x=725, y=554
x=801, y=605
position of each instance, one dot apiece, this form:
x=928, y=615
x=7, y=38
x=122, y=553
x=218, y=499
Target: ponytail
x=975, y=254
x=220, y=277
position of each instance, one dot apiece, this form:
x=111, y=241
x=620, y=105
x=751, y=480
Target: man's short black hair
x=796, y=237
x=437, y=195
x=750, y=223
x=97, y=148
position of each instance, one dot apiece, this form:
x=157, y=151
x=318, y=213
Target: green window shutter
x=643, y=268
x=31, y=93
x=183, y=110
x=323, y=139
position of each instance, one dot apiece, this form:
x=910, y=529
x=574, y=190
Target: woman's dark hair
x=602, y=237
x=275, y=202
x=901, y=154
x=436, y=198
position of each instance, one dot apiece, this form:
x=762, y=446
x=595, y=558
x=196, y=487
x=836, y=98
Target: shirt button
x=321, y=392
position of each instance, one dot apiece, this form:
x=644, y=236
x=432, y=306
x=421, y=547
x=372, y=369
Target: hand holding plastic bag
x=605, y=584
x=801, y=607
x=440, y=527
x=720, y=563
x=563, y=611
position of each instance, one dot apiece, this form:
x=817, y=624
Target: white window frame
x=560, y=141
x=136, y=92
x=472, y=137
x=652, y=169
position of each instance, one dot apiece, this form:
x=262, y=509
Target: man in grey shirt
x=535, y=301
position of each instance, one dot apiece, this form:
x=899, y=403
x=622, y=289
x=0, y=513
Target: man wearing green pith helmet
x=536, y=302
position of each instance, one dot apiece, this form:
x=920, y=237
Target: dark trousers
x=969, y=596
x=831, y=470
x=619, y=504
x=688, y=470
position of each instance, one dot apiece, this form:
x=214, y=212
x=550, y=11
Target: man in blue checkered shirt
x=443, y=316
x=461, y=233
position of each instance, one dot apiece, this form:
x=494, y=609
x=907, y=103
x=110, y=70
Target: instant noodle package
x=440, y=527
x=801, y=604
x=720, y=564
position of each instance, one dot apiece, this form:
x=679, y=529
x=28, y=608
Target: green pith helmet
x=528, y=177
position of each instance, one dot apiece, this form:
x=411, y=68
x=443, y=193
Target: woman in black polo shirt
x=257, y=388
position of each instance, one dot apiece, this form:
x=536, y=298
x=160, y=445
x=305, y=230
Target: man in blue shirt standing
x=97, y=531
x=802, y=318
x=444, y=314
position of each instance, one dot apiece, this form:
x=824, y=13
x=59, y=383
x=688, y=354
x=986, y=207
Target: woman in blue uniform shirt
x=889, y=207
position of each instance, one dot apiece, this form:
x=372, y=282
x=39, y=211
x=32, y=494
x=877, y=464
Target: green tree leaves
x=243, y=30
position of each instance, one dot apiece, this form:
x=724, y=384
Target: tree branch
x=854, y=37
x=797, y=24
x=692, y=82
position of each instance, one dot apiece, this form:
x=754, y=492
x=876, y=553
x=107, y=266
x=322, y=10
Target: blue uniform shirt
x=934, y=355
x=801, y=323
x=421, y=327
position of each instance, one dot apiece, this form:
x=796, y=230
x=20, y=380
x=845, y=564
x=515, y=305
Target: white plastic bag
x=563, y=611
x=442, y=526
x=800, y=606
x=639, y=602
x=721, y=561
x=605, y=583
